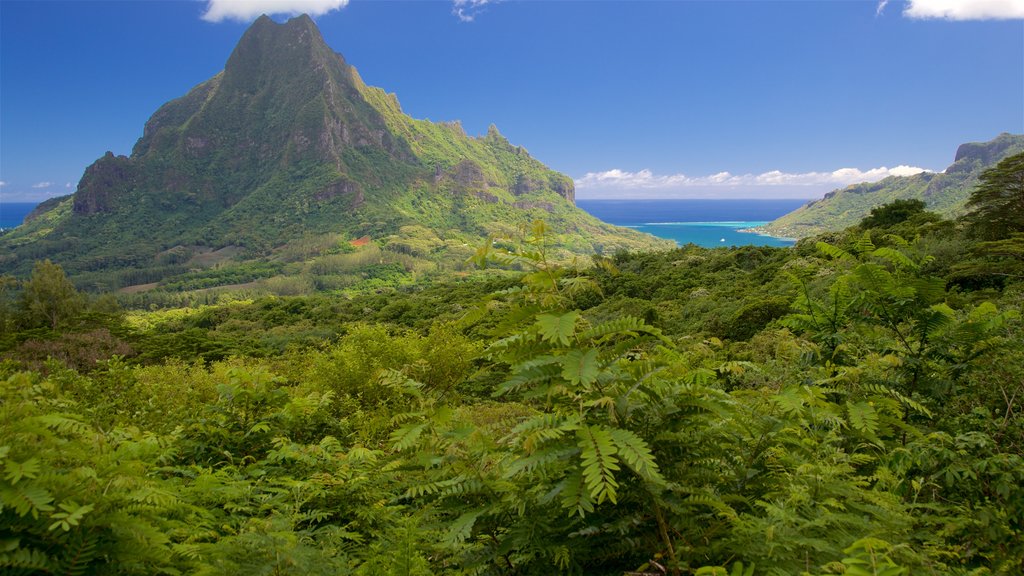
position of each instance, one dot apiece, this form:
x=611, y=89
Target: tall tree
x=48, y=298
x=997, y=204
x=892, y=213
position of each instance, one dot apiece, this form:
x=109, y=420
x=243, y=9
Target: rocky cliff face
x=102, y=182
x=973, y=154
x=559, y=183
x=283, y=99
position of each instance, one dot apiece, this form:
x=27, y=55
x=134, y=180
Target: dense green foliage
x=945, y=193
x=897, y=211
x=848, y=406
x=997, y=203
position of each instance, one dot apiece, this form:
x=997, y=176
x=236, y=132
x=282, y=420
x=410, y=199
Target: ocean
x=13, y=213
x=707, y=223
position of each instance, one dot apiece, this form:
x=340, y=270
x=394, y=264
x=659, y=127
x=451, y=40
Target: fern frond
x=539, y=460
x=529, y=377
x=64, y=424
x=79, y=555
x=935, y=319
x=834, y=252
x=574, y=494
x=876, y=278
x=547, y=427
x=635, y=452
x=29, y=560
x=863, y=245
x=626, y=325
x=799, y=322
x=929, y=289
x=597, y=452
x=26, y=499
x=895, y=257
x=862, y=417
x=907, y=402
x=461, y=528
x=406, y=436
x=700, y=376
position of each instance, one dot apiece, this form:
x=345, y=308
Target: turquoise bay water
x=711, y=234
x=707, y=223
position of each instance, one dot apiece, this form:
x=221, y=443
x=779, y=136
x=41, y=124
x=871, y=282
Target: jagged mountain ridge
x=943, y=192
x=261, y=112
x=286, y=142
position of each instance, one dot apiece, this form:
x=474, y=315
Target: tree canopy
x=893, y=213
x=49, y=298
x=997, y=204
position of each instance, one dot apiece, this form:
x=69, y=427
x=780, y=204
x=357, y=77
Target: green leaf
x=26, y=499
x=462, y=527
x=864, y=243
x=406, y=436
x=574, y=494
x=935, y=319
x=834, y=251
x=597, y=450
x=581, y=367
x=71, y=515
x=258, y=428
x=637, y=455
x=627, y=325
x=700, y=376
x=557, y=329
x=894, y=256
x=863, y=417
x=15, y=471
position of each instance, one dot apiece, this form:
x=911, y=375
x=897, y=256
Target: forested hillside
x=848, y=406
x=944, y=193
x=270, y=175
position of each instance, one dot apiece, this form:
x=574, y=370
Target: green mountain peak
x=288, y=142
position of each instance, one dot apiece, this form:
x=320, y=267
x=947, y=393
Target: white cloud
x=774, y=184
x=31, y=194
x=881, y=7
x=2, y=183
x=246, y=10
x=467, y=10
x=965, y=9
x=39, y=185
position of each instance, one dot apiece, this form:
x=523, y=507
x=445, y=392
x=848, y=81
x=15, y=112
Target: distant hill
x=945, y=192
x=284, y=158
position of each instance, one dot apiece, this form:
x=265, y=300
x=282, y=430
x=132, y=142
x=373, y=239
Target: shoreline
x=762, y=231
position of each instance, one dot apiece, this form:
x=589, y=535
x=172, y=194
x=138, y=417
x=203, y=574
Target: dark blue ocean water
x=706, y=223
x=13, y=213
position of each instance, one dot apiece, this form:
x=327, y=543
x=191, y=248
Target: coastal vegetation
x=945, y=193
x=851, y=405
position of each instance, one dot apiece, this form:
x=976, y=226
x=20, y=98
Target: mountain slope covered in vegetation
x=943, y=192
x=287, y=156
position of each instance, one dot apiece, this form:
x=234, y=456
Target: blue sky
x=631, y=99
